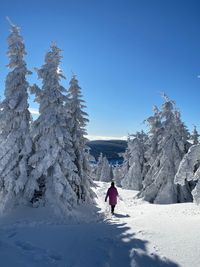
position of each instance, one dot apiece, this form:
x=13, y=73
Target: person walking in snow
x=112, y=193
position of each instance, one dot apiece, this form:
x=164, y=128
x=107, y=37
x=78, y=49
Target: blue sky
x=124, y=52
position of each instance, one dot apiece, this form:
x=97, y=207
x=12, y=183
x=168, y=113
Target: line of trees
x=164, y=164
x=42, y=162
x=46, y=161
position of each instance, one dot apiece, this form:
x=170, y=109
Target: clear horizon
x=124, y=54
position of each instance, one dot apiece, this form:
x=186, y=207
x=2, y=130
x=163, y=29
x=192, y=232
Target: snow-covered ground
x=138, y=235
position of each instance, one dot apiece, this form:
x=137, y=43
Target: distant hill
x=109, y=148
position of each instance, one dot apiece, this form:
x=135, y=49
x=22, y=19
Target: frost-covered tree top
x=51, y=74
x=15, y=142
x=77, y=106
x=16, y=85
x=16, y=47
x=174, y=128
x=167, y=109
x=54, y=174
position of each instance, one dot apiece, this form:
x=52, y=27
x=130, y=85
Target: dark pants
x=112, y=208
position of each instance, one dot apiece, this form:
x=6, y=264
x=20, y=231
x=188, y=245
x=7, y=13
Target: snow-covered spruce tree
x=78, y=121
x=92, y=164
x=103, y=170
x=152, y=148
x=154, y=136
x=99, y=167
x=120, y=171
x=90, y=160
x=111, y=173
x=106, y=175
x=134, y=177
x=126, y=157
x=189, y=171
x=15, y=141
x=171, y=148
x=54, y=179
x=195, y=136
x=117, y=175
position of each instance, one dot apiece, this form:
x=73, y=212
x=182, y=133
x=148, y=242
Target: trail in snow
x=140, y=253
x=138, y=235
x=171, y=231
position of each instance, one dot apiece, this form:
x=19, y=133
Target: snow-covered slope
x=138, y=235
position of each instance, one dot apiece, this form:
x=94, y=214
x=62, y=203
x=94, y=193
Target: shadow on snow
x=117, y=215
x=97, y=243
x=106, y=244
x=117, y=247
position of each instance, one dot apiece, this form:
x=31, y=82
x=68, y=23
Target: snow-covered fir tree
x=98, y=168
x=111, y=173
x=106, y=175
x=78, y=121
x=15, y=141
x=54, y=178
x=103, y=170
x=134, y=177
x=120, y=171
x=154, y=136
x=90, y=160
x=117, y=174
x=172, y=146
x=152, y=149
x=195, y=136
x=123, y=170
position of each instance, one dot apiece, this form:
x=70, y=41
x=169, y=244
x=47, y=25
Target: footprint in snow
x=37, y=252
x=11, y=234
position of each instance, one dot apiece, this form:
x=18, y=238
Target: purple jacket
x=112, y=194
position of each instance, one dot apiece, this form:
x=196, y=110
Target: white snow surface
x=138, y=235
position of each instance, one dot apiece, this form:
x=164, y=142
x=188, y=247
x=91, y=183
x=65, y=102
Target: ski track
x=100, y=240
